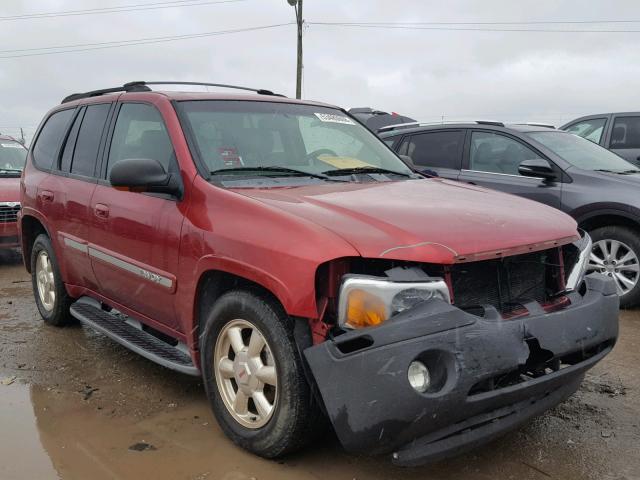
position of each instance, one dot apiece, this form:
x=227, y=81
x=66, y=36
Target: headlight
x=368, y=301
x=577, y=273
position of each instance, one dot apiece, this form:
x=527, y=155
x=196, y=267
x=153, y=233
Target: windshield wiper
x=10, y=170
x=289, y=171
x=619, y=172
x=356, y=170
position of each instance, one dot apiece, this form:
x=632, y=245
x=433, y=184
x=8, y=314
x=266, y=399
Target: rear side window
x=51, y=135
x=140, y=133
x=626, y=133
x=495, y=153
x=435, y=149
x=85, y=154
x=70, y=144
x=590, y=129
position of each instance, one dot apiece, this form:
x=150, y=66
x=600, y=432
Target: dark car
x=376, y=119
x=277, y=249
x=618, y=132
x=596, y=187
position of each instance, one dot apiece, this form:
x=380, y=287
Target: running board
x=130, y=334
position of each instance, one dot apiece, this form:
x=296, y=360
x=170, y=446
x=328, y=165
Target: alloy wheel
x=246, y=373
x=617, y=260
x=45, y=281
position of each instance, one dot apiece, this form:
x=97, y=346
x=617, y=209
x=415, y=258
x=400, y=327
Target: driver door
x=492, y=160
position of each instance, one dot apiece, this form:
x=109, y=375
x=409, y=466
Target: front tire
x=48, y=289
x=616, y=253
x=253, y=375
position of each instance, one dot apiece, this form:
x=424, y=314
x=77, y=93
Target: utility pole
x=297, y=5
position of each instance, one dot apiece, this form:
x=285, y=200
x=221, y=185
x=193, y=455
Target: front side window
x=626, y=133
x=245, y=137
x=590, y=129
x=140, y=132
x=435, y=149
x=12, y=157
x=581, y=153
x=85, y=154
x=48, y=142
x=495, y=153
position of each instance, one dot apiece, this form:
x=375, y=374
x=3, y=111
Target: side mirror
x=146, y=175
x=537, y=167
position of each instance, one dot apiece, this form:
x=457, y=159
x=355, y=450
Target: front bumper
x=362, y=375
x=9, y=235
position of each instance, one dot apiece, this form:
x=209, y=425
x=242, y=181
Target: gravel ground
x=74, y=405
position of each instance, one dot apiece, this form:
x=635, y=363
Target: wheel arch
x=596, y=215
x=30, y=228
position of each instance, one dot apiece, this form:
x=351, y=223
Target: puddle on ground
x=22, y=456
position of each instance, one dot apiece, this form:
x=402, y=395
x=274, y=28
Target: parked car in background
x=227, y=236
x=375, y=119
x=618, y=132
x=596, y=187
x=12, y=159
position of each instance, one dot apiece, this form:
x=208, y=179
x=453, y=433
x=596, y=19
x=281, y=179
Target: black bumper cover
x=374, y=410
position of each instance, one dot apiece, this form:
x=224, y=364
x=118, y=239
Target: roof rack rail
x=445, y=122
x=537, y=124
x=143, y=86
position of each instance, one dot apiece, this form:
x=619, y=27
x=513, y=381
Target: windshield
x=582, y=153
x=12, y=156
x=249, y=139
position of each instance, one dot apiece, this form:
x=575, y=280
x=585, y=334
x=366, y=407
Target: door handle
x=471, y=183
x=46, y=196
x=101, y=211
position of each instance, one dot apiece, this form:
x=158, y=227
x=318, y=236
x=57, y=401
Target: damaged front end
x=425, y=361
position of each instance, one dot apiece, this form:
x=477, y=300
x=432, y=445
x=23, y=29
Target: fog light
x=419, y=377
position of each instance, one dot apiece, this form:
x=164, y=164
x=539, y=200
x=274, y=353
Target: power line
x=125, y=43
x=464, y=29
x=122, y=8
x=534, y=22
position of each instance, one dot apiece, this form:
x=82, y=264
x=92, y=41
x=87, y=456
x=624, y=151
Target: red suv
x=12, y=159
x=281, y=251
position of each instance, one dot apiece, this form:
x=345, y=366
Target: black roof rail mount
x=143, y=86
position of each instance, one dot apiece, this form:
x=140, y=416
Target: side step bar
x=128, y=334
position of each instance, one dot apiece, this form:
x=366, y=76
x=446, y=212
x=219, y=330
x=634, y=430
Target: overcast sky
x=511, y=76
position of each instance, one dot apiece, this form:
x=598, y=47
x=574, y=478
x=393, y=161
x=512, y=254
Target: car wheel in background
x=616, y=253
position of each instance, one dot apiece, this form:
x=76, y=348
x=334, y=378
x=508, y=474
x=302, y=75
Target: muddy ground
x=74, y=405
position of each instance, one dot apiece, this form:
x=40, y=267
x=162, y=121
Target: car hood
x=434, y=220
x=9, y=189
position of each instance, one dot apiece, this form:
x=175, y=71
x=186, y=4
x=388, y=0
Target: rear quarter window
x=48, y=142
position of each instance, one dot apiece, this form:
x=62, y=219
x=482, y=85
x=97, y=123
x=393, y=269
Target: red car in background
x=12, y=159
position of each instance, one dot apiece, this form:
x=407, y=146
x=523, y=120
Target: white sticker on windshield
x=11, y=145
x=331, y=118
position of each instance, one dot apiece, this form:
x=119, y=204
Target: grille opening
x=540, y=362
x=508, y=283
x=9, y=214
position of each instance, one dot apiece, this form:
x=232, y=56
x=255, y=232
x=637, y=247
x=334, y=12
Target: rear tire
x=229, y=366
x=620, y=245
x=48, y=289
